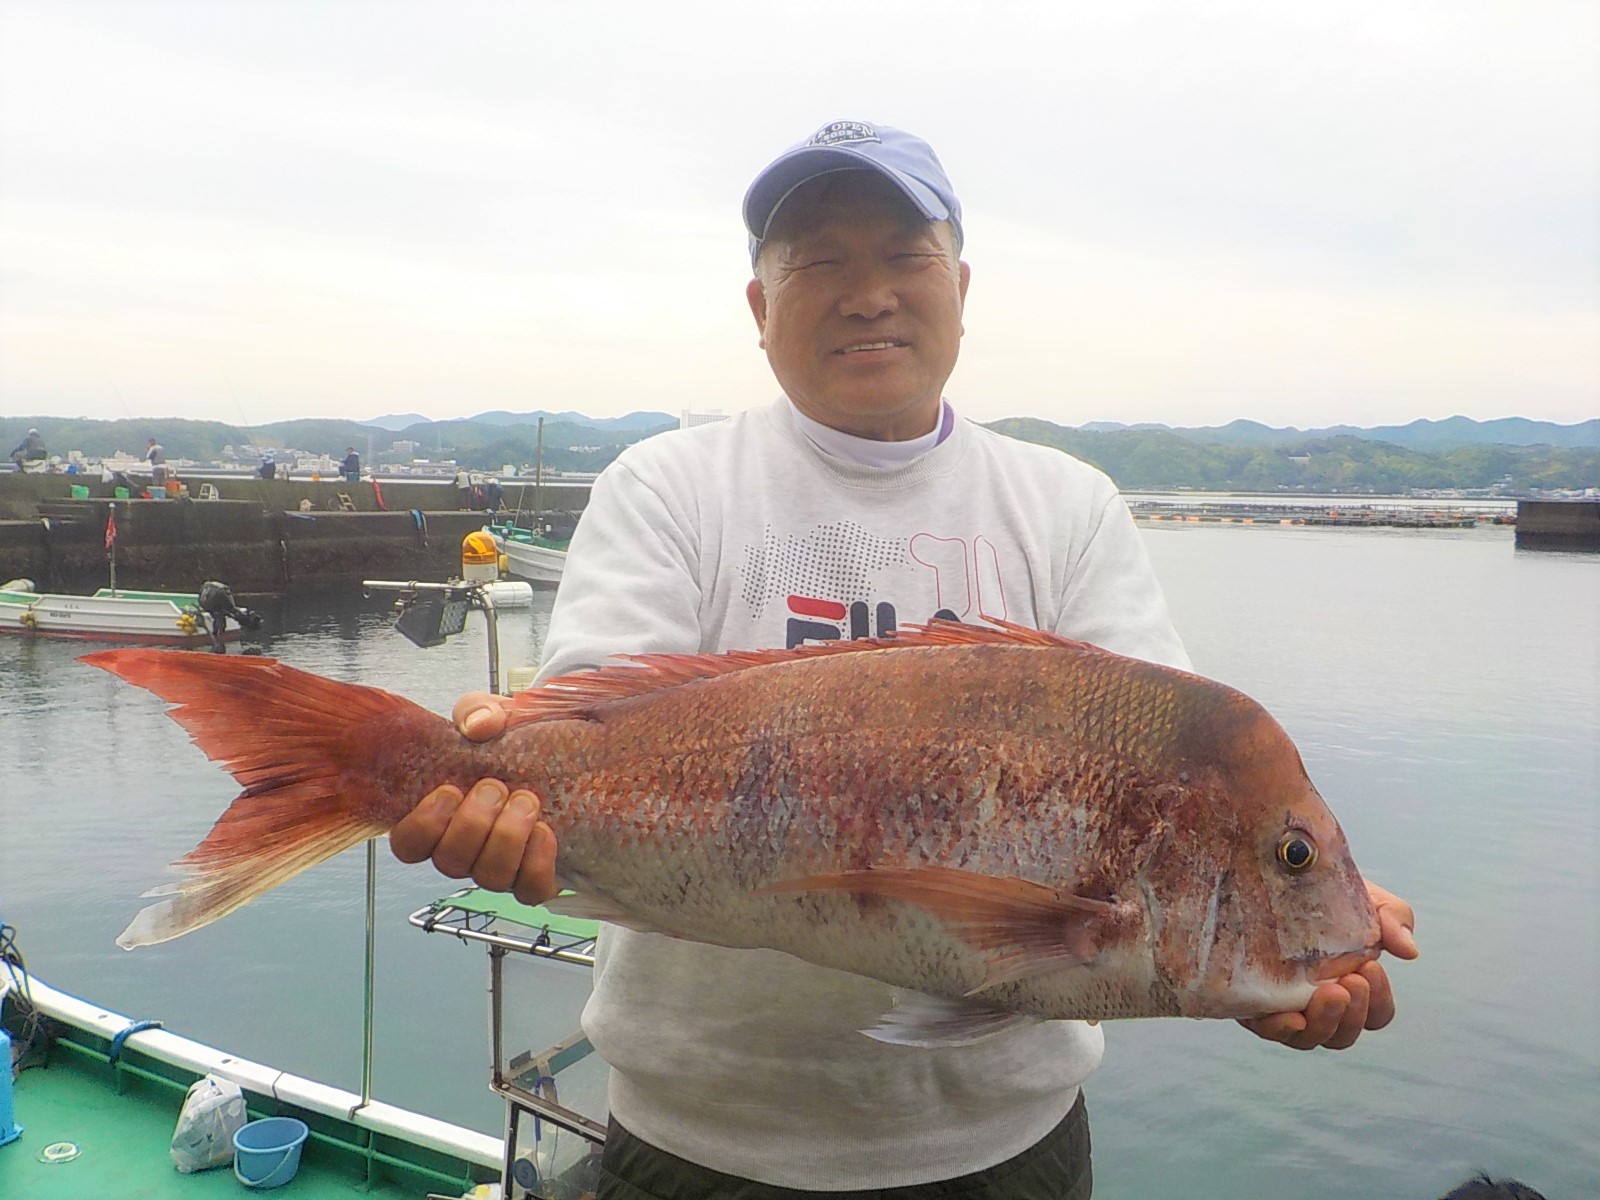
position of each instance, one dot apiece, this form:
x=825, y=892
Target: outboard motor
x=216, y=602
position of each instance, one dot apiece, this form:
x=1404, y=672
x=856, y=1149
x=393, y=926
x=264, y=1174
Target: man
x=268, y=468
x=859, y=500
x=29, y=450
x=351, y=465
x=218, y=605
x=157, y=458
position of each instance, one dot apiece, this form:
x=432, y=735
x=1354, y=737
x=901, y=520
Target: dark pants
x=1054, y=1168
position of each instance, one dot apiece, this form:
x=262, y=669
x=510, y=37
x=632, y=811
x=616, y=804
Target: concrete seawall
x=256, y=537
x=1558, y=524
x=175, y=545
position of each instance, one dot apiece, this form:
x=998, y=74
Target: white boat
x=528, y=556
x=167, y=618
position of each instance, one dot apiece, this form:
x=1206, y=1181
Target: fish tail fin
x=301, y=746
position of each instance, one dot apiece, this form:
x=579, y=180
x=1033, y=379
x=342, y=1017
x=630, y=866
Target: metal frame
x=520, y=1089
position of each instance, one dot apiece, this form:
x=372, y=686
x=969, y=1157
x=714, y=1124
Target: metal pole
x=112, y=519
x=538, y=472
x=366, y=1014
x=492, y=621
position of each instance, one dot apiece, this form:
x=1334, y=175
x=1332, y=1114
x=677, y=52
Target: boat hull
x=537, y=564
x=145, y=618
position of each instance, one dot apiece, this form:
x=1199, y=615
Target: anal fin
x=918, y=1019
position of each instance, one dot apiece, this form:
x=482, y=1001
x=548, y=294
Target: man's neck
x=873, y=452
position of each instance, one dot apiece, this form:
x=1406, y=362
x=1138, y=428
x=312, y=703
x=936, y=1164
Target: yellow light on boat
x=478, y=548
x=480, y=557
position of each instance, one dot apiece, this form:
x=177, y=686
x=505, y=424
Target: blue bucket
x=266, y=1153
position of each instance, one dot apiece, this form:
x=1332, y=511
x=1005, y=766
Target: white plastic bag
x=213, y=1112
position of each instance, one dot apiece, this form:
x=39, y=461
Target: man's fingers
x=1279, y=1027
x=1323, y=1014
x=1380, y=1008
x=536, y=879
x=480, y=716
x=1395, y=923
x=1309, y=1029
x=463, y=841
x=1353, y=1018
x=419, y=831
x=500, y=859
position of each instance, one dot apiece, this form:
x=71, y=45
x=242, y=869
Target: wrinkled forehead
x=848, y=197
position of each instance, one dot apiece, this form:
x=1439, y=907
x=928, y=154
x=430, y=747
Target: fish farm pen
x=1243, y=512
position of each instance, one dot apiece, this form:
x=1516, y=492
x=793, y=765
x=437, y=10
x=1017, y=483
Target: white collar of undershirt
x=865, y=452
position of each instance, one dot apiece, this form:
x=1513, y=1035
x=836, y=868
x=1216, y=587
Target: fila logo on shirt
x=813, y=619
x=965, y=579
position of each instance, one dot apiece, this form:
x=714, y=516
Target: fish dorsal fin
x=572, y=696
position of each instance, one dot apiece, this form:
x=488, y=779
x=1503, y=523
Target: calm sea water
x=1443, y=687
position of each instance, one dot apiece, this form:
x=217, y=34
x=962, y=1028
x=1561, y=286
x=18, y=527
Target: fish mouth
x=1323, y=967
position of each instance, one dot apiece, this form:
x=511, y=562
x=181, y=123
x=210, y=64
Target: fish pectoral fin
x=918, y=1019
x=599, y=908
x=1021, y=928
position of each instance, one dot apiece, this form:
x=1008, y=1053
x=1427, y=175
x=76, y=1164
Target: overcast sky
x=1302, y=214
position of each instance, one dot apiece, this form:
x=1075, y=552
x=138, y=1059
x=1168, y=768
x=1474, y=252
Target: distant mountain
x=395, y=422
x=1453, y=433
x=633, y=422
x=477, y=445
x=1160, y=458
x=1239, y=456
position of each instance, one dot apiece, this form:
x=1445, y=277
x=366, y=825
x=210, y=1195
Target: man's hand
x=1340, y=1010
x=492, y=834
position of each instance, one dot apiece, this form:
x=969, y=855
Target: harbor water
x=1444, y=690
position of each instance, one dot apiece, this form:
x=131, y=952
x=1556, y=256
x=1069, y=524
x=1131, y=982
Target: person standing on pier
x=856, y=501
x=157, y=458
x=351, y=465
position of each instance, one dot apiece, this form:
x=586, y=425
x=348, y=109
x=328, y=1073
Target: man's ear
x=964, y=276
x=756, y=296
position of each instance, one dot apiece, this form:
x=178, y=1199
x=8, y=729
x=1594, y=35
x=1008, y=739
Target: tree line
x=1141, y=459
x=1159, y=460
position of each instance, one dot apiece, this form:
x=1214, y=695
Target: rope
x=126, y=1032
x=31, y=1032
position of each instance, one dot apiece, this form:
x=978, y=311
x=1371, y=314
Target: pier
x=255, y=535
x=1558, y=524
x=1372, y=514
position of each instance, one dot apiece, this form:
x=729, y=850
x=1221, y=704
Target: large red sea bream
x=1007, y=825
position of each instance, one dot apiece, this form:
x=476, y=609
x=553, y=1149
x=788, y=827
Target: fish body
x=1016, y=826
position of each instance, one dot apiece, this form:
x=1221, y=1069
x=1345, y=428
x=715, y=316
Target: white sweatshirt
x=745, y=534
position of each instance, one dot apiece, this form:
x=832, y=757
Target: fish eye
x=1297, y=852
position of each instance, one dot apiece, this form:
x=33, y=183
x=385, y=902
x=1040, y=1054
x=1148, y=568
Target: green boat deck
x=122, y=1118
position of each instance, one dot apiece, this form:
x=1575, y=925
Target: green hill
x=1259, y=459
x=1160, y=459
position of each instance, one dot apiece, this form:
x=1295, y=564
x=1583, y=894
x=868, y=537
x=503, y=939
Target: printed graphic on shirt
x=839, y=582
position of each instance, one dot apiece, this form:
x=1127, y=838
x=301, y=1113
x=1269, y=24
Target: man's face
x=859, y=303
